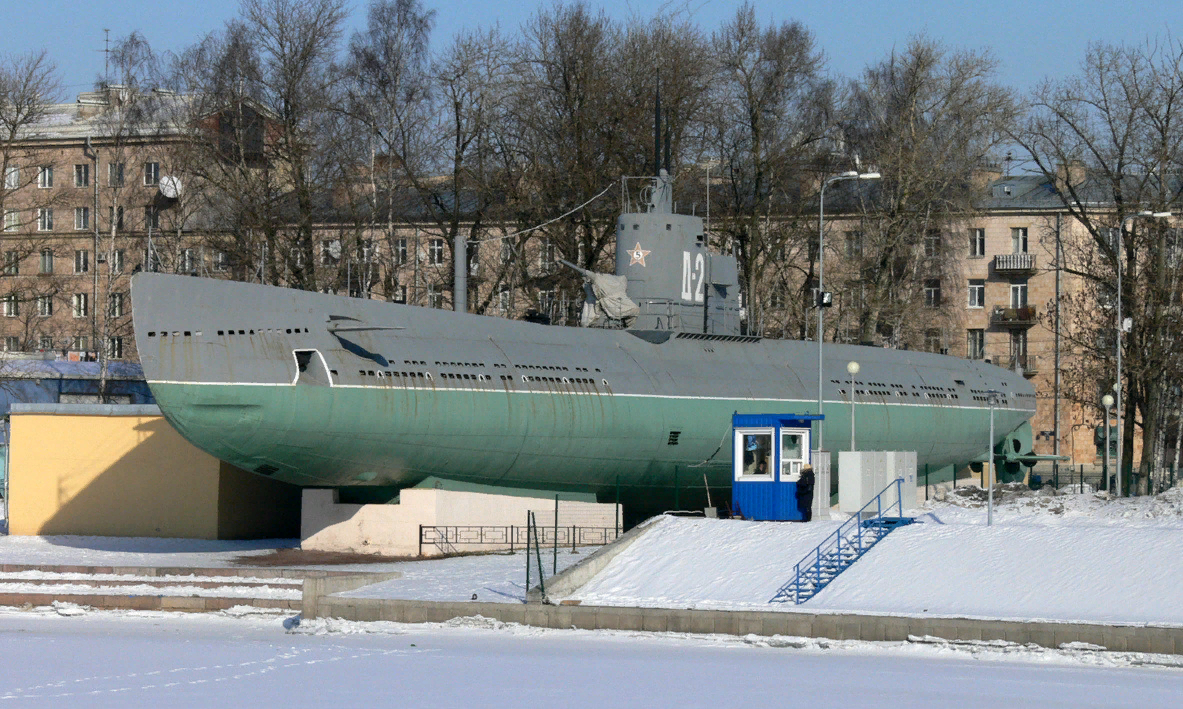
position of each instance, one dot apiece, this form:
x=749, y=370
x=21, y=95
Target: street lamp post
x=852, y=368
x=823, y=301
x=1106, y=401
x=1121, y=328
x=992, y=400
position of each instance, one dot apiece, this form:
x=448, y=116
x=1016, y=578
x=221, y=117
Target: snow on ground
x=492, y=577
x=195, y=661
x=131, y=551
x=1099, y=574
x=228, y=591
x=704, y=563
x=55, y=577
x=1048, y=556
x=1017, y=505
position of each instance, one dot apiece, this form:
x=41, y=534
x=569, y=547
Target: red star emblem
x=637, y=255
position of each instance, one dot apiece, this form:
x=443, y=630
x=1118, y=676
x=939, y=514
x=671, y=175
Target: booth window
x=756, y=449
x=794, y=451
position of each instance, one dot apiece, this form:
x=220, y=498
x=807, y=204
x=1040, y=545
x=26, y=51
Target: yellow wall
x=119, y=475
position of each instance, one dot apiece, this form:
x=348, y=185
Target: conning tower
x=673, y=281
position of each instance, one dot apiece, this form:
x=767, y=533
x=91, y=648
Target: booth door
x=794, y=453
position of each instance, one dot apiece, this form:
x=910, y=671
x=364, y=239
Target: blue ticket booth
x=768, y=453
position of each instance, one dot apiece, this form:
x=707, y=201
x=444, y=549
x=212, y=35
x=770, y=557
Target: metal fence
x=1097, y=477
x=451, y=539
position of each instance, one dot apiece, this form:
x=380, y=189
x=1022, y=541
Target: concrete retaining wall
x=838, y=626
x=393, y=530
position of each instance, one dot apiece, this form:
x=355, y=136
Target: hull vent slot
x=673, y=439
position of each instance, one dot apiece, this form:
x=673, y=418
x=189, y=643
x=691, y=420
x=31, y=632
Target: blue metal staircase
x=845, y=546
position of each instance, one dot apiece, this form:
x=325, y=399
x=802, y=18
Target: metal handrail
x=814, y=558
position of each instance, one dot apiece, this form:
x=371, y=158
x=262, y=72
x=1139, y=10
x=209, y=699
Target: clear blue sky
x=1032, y=40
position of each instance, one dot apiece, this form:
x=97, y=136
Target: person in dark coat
x=805, y=493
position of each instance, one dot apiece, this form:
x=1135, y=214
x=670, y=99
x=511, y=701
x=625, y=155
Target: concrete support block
x=688, y=621
x=656, y=620
x=620, y=618
x=584, y=617
x=794, y=624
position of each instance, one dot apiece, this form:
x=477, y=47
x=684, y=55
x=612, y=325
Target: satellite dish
x=170, y=186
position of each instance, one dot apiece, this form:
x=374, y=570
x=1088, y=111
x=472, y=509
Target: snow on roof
x=64, y=369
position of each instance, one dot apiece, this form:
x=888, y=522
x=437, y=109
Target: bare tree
x=295, y=43
x=29, y=85
x=771, y=114
x=1110, y=140
x=927, y=119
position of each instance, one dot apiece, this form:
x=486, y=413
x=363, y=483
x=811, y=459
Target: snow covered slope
x=1048, y=556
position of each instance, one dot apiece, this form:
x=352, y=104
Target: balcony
x=1023, y=317
x=1014, y=264
x=1027, y=365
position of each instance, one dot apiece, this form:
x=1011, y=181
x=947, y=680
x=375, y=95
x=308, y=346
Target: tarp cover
x=611, y=297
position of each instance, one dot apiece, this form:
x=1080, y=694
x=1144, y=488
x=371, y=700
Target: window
x=506, y=251
x=854, y=244
x=151, y=173
x=45, y=342
x=117, y=261
x=400, y=294
x=151, y=217
x=81, y=305
x=115, y=347
x=776, y=299
x=932, y=341
x=188, y=263
x=115, y=215
x=12, y=220
x=330, y=252
x=400, y=252
x=45, y=177
x=546, y=257
x=221, y=261
x=435, y=299
x=1018, y=295
x=45, y=305
x=435, y=252
x=932, y=243
x=82, y=261
x=44, y=219
x=503, y=301
x=1018, y=240
x=115, y=174
x=12, y=263
x=46, y=261
x=12, y=343
x=79, y=343
x=977, y=242
x=932, y=293
x=81, y=217
x=82, y=175
x=151, y=260
x=12, y=306
x=12, y=177
x=546, y=301
x=474, y=262
x=975, y=344
x=755, y=450
x=794, y=453
x=297, y=257
x=1018, y=347
x=977, y=293
x=115, y=305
